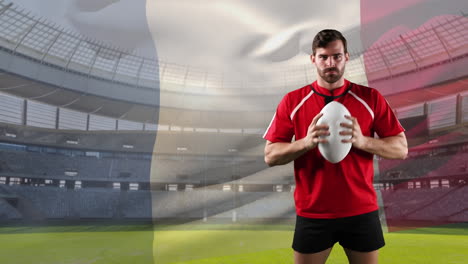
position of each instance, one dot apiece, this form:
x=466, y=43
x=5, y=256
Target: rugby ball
x=333, y=114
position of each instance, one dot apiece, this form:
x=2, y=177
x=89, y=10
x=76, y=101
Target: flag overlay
x=127, y=117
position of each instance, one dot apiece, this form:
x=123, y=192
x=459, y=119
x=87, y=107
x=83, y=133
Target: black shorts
x=359, y=233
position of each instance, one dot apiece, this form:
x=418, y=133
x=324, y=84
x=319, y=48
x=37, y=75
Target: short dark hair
x=326, y=36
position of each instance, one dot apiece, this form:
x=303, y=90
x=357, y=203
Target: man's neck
x=330, y=86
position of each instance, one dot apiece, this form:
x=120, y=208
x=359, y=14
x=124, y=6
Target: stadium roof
x=43, y=43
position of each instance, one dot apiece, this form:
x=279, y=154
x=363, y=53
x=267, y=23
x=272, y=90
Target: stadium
x=139, y=159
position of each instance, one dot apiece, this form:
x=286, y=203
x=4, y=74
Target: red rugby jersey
x=324, y=189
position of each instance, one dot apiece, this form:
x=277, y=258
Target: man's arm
x=280, y=153
x=394, y=147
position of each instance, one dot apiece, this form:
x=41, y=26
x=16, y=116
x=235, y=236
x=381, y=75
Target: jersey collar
x=331, y=95
x=335, y=92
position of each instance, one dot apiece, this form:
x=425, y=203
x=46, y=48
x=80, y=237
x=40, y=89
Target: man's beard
x=331, y=78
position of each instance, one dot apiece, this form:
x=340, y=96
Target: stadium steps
x=23, y=206
x=8, y=210
x=433, y=201
x=5, y=193
x=458, y=212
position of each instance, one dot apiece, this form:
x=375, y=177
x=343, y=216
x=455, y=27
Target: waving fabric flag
x=421, y=46
x=207, y=77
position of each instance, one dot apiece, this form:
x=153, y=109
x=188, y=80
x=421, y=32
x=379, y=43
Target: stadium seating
x=98, y=203
x=440, y=165
x=8, y=212
x=437, y=204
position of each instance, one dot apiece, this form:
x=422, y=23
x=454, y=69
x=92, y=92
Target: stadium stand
x=7, y=211
x=76, y=159
x=437, y=204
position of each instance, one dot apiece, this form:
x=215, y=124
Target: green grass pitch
x=208, y=244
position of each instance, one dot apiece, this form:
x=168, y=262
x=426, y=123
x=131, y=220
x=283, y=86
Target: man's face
x=330, y=61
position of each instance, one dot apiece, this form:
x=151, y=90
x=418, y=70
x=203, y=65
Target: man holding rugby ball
x=335, y=202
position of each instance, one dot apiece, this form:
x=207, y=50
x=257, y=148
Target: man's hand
x=354, y=130
x=393, y=147
x=316, y=133
x=280, y=153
